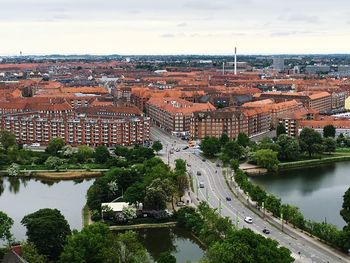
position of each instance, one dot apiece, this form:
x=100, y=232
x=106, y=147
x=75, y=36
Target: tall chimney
x=235, y=61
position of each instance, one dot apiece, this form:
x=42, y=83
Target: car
x=185, y=148
x=180, y=203
x=201, y=185
x=217, y=165
x=228, y=198
x=188, y=165
x=199, y=173
x=177, y=149
x=266, y=231
x=248, y=220
x=203, y=160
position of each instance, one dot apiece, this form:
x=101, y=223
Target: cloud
x=182, y=24
x=167, y=35
x=303, y=18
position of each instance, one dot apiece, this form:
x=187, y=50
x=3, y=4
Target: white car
x=248, y=220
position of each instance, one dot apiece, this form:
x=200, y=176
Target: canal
x=317, y=191
x=21, y=196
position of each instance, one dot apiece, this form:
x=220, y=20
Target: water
x=179, y=242
x=24, y=196
x=318, y=191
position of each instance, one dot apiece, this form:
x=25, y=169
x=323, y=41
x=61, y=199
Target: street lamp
x=282, y=221
x=219, y=206
x=263, y=208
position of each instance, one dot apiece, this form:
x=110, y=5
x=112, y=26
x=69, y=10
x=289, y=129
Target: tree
x=157, y=146
x=13, y=170
x=84, y=153
x=329, y=144
x=289, y=148
x=267, y=158
x=101, y=154
x=31, y=254
x=233, y=150
x=97, y=244
x=180, y=166
x=166, y=257
x=54, y=162
x=158, y=193
x=280, y=129
x=224, y=139
x=68, y=151
x=345, y=211
x=55, y=145
x=6, y=223
x=181, y=185
x=310, y=141
x=7, y=139
x=129, y=213
x=47, y=229
x=234, y=164
x=273, y=204
x=243, y=139
x=210, y=146
x=329, y=131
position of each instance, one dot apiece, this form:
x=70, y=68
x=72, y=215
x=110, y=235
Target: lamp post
x=219, y=206
x=282, y=221
x=263, y=208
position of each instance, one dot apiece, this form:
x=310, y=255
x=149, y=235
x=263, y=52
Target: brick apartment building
x=320, y=101
x=174, y=114
x=231, y=121
x=88, y=125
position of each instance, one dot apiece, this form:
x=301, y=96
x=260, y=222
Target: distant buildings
x=278, y=64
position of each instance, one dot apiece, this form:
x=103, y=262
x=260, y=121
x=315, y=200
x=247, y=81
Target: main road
x=216, y=192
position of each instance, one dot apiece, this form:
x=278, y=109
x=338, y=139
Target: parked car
x=180, y=203
x=248, y=220
x=228, y=198
x=188, y=165
x=266, y=231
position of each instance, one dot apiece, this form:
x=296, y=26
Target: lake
x=179, y=242
x=22, y=196
x=317, y=191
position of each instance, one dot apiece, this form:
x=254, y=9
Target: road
x=216, y=190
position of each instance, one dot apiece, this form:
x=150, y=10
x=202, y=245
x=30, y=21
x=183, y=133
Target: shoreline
x=59, y=176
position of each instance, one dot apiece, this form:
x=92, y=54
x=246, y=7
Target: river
x=24, y=196
x=317, y=191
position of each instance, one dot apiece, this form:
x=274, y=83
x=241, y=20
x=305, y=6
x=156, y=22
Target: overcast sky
x=174, y=26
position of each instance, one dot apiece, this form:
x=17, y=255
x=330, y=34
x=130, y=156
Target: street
x=216, y=191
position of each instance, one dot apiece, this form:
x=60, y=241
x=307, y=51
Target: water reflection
x=2, y=188
x=177, y=241
x=312, y=189
x=15, y=184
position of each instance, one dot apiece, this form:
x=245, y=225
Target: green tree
x=345, y=211
x=233, y=150
x=280, y=129
x=166, y=257
x=84, y=153
x=31, y=254
x=180, y=166
x=7, y=139
x=310, y=141
x=210, y=146
x=243, y=139
x=289, y=148
x=6, y=223
x=47, y=229
x=54, y=162
x=55, y=145
x=13, y=170
x=97, y=244
x=267, y=158
x=181, y=185
x=224, y=139
x=329, y=145
x=329, y=131
x=273, y=204
x=101, y=154
x=234, y=164
x=158, y=193
x=157, y=146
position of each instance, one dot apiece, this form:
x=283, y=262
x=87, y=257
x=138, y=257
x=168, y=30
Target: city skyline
x=38, y=27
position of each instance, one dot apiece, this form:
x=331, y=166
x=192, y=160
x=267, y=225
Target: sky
x=174, y=26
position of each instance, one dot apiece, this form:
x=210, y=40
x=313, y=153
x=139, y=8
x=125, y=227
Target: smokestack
x=235, y=61
x=223, y=68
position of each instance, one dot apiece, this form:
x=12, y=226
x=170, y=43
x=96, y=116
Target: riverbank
x=142, y=226
x=67, y=175
x=312, y=162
